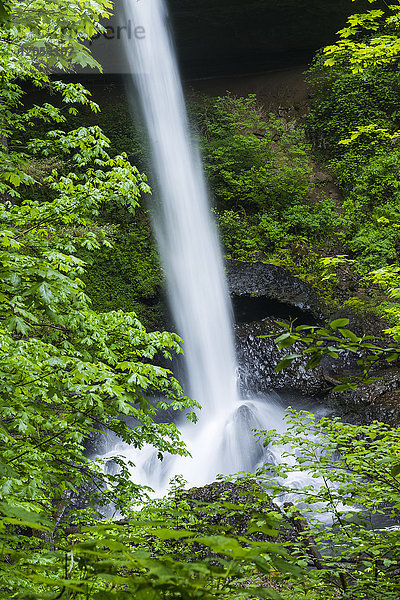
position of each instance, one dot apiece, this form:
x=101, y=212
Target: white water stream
x=222, y=441
x=186, y=236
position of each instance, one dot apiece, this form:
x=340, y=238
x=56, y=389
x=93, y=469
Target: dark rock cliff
x=260, y=280
x=236, y=36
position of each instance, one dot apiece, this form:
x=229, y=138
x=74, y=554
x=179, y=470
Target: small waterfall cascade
x=222, y=441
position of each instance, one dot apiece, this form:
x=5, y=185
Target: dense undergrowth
x=76, y=249
x=268, y=204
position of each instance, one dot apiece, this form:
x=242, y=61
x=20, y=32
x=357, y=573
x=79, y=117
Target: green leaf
x=17, y=324
x=314, y=361
x=341, y=388
x=339, y=323
x=170, y=534
x=395, y=470
x=282, y=337
x=45, y=292
x=349, y=335
x=285, y=362
x=287, y=342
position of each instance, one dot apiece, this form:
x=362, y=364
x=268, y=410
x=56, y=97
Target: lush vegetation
x=261, y=177
x=272, y=204
x=69, y=372
x=350, y=541
x=75, y=361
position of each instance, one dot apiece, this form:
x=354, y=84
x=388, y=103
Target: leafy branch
x=332, y=341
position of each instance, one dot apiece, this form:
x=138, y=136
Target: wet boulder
x=261, y=295
x=259, y=357
x=376, y=401
x=284, y=295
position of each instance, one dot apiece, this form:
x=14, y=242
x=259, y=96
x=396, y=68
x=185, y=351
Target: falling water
x=222, y=441
x=186, y=235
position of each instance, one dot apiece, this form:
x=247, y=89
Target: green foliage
x=169, y=549
x=353, y=481
x=115, y=120
x=388, y=280
x=334, y=340
x=238, y=235
x=345, y=101
x=269, y=232
x=373, y=209
x=332, y=263
x=356, y=114
x=61, y=359
x=127, y=275
x=251, y=161
x=43, y=35
x=4, y=10
x=261, y=178
x=375, y=245
x=316, y=222
x=376, y=191
x=370, y=38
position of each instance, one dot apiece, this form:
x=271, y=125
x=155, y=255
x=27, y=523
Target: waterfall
x=186, y=236
x=222, y=441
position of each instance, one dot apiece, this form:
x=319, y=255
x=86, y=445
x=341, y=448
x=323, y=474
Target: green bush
x=375, y=246
x=367, y=169
x=353, y=488
x=251, y=162
x=115, y=118
x=260, y=175
x=245, y=237
x=127, y=276
x=313, y=222
x=238, y=235
x=377, y=185
x=343, y=101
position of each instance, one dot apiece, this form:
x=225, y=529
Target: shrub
x=252, y=163
x=352, y=489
